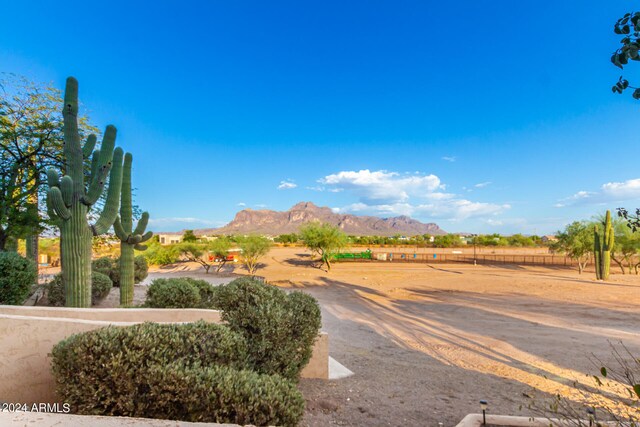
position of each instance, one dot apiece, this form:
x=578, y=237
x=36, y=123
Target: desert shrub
x=104, y=265
x=172, y=293
x=223, y=395
x=206, y=291
x=55, y=291
x=100, y=287
x=281, y=328
x=157, y=254
x=107, y=371
x=140, y=269
x=17, y=275
x=111, y=267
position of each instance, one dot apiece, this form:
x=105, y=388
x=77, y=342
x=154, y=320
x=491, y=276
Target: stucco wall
x=166, y=315
x=27, y=335
x=40, y=419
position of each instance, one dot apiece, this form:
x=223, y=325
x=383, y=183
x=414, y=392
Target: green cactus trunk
x=129, y=239
x=75, y=257
x=603, y=245
x=597, y=252
x=69, y=200
x=127, y=257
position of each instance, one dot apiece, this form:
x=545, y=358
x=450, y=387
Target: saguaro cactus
x=603, y=245
x=129, y=239
x=69, y=199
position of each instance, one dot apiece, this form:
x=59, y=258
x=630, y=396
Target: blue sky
x=479, y=116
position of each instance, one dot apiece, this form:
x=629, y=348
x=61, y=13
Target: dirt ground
x=427, y=342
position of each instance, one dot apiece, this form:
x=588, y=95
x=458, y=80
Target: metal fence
x=532, y=259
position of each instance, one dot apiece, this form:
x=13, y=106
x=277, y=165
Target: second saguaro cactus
x=603, y=245
x=69, y=200
x=130, y=239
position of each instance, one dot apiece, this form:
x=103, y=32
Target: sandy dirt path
x=427, y=343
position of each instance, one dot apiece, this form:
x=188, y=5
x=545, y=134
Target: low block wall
x=27, y=335
x=475, y=420
x=41, y=419
x=136, y=315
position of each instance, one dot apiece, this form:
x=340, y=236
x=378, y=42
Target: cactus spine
x=130, y=239
x=603, y=245
x=69, y=199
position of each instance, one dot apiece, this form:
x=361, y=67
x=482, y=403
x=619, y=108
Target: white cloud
x=242, y=204
x=386, y=193
x=609, y=192
x=382, y=186
x=316, y=188
x=286, y=185
x=482, y=184
x=449, y=158
x=629, y=189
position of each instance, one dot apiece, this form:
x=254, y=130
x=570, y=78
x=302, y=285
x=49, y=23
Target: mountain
x=275, y=222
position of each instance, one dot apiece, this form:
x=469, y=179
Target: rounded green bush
x=140, y=269
x=101, y=285
x=194, y=371
x=17, y=276
x=104, y=265
x=207, y=291
x=222, y=395
x=111, y=267
x=172, y=293
x=281, y=328
x=55, y=291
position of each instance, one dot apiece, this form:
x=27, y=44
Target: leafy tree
x=31, y=141
x=206, y=254
x=219, y=250
x=253, y=248
x=158, y=254
x=629, y=28
x=188, y=236
x=626, y=248
x=323, y=239
x=195, y=252
x=446, y=241
x=577, y=242
x=287, y=238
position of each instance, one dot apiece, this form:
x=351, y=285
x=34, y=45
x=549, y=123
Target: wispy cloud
x=449, y=158
x=242, y=204
x=609, y=192
x=287, y=185
x=483, y=184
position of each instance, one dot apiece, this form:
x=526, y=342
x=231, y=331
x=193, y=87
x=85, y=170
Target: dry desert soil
x=427, y=342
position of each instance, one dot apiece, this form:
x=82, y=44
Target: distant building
x=549, y=238
x=169, y=238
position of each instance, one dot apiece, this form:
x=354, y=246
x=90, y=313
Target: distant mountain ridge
x=283, y=222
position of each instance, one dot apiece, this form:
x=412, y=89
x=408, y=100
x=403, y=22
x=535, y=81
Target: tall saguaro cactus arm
x=130, y=239
x=69, y=199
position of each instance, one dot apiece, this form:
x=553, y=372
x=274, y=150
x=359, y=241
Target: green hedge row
x=192, y=372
